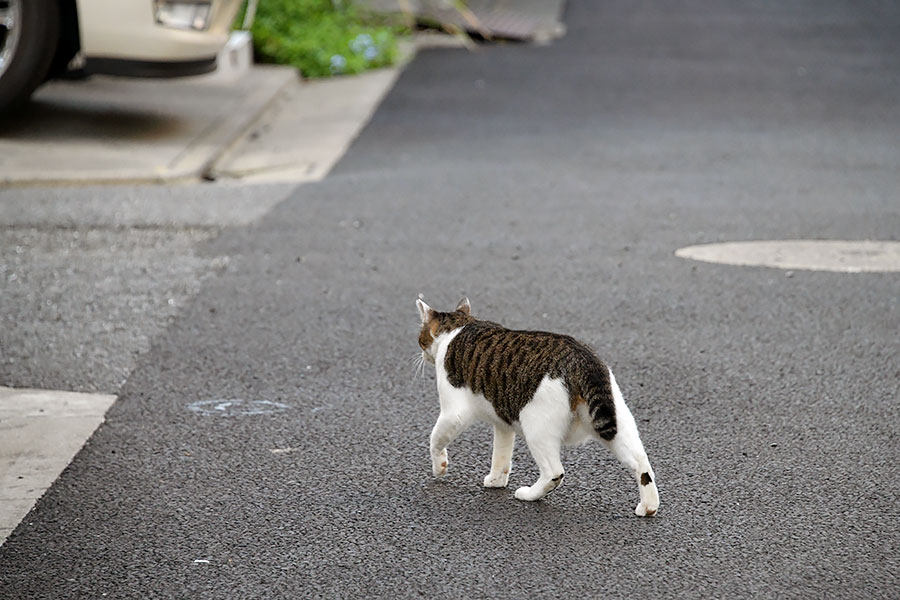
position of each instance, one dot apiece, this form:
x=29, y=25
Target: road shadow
x=54, y=120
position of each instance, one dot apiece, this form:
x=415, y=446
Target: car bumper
x=148, y=68
x=121, y=37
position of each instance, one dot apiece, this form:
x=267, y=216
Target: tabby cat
x=550, y=388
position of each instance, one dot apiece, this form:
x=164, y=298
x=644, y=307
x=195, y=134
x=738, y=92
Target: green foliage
x=323, y=37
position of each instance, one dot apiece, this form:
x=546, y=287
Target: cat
x=550, y=388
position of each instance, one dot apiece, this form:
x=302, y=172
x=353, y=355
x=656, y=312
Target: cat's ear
x=426, y=313
x=464, y=306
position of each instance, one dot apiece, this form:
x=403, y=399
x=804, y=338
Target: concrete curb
x=261, y=124
x=199, y=157
x=312, y=123
x=108, y=130
x=307, y=130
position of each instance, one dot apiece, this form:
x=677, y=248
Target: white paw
x=642, y=510
x=496, y=480
x=525, y=493
x=439, y=464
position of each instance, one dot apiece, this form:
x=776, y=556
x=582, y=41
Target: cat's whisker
x=419, y=366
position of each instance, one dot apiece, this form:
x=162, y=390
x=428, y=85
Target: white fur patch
x=549, y=408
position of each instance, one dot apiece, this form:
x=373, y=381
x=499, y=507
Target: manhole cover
x=813, y=255
x=236, y=407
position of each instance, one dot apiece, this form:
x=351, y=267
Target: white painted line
x=40, y=433
x=813, y=255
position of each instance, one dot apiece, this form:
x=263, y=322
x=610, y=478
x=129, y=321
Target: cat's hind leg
x=627, y=447
x=501, y=459
x=545, y=421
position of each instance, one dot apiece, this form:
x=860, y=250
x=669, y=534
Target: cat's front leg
x=501, y=459
x=439, y=463
x=447, y=427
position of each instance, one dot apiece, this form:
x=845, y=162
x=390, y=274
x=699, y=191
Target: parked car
x=42, y=39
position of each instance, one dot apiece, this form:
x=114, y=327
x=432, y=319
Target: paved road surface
x=551, y=185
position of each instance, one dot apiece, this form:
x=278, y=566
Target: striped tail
x=598, y=394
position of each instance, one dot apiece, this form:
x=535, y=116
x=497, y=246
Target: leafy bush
x=323, y=37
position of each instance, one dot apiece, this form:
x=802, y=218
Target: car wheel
x=29, y=33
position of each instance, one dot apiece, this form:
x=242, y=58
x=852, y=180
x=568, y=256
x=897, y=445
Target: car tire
x=29, y=33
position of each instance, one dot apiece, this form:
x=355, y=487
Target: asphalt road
x=90, y=275
x=551, y=185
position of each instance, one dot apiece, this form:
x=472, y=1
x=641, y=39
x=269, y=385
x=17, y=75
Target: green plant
x=322, y=37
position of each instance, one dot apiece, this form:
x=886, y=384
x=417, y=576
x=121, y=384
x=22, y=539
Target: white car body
x=43, y=39
x=127, y=30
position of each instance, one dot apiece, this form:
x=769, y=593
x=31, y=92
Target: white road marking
x=282, y=450
x=41, y=431
x=813, y=255
x=236, y=407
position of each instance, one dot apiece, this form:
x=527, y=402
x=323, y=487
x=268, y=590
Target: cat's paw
x=496, y=480
x=439, y=463
x=642, y=510
x=527, y=494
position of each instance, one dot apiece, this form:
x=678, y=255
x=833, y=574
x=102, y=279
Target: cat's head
x=434, y=323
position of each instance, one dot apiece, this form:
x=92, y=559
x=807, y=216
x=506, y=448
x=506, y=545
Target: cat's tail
x=597, y=389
